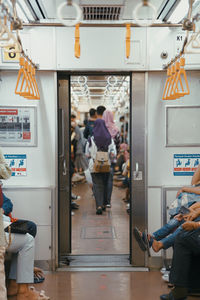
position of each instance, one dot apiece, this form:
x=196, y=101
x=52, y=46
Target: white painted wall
x=160, y=158
x=32, y=194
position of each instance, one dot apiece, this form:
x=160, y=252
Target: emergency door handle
x=62, y=133
x=64, y=168
x=137, y=169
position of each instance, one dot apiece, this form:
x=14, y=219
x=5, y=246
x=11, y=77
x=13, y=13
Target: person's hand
x=191, y=216
x=190, y=225
x=179, y=217
x=179, y=192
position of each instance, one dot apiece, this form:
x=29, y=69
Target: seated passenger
x=21, y=271
x=31, y=229
x=186, y=248
x=165, y=236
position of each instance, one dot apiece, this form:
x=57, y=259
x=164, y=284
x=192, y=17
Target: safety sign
x=17, y=163
x=18, y=126
x=185, y=164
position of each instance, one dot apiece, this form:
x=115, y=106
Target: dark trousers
x=100, y=188
x=110, y=183
x=185, y=270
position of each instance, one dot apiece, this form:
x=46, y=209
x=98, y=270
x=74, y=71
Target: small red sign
x=8, y=111
x=26, y=135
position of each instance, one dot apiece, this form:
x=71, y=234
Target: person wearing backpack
x=101, y=150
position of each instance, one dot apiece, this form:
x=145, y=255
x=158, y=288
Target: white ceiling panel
x=50, y=6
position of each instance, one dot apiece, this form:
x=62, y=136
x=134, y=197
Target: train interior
x=140, y=59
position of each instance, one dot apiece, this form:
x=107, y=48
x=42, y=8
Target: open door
x=138, y=163
x=64, y=228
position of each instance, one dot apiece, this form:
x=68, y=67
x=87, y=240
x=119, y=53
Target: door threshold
x=95, y=261
x=102, y=269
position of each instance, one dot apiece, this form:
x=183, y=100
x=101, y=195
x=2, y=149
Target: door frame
x=138, y=213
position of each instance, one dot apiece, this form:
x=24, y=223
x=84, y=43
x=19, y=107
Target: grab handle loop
x=69, y=22
x=137, y=10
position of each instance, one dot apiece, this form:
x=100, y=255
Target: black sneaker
x=99, y=211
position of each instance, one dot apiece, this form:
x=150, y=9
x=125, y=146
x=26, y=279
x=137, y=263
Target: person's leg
x=22, y=246
x=98, y=188
x=106, y=183
x=31, y=227
x=110, y=184
x=166, y=229
x=187, y=244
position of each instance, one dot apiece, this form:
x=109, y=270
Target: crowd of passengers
x=100, y=137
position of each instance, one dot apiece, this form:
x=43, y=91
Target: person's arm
x=190, y=225
x=196, y=177
x=193, y=214
x=189, y=189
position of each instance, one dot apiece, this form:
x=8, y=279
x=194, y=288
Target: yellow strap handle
x=174, y=88
x=77, y=47
x=166, y=84
x=128, y=40
x=21, y=72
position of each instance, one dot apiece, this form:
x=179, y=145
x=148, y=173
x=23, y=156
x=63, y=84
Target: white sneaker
x=163, y=270
x=76, y=177
x=165, y=277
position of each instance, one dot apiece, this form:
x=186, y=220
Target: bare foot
x=157, y=246
x=32, y=294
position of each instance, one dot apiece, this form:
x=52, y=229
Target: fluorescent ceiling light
x=180, y=12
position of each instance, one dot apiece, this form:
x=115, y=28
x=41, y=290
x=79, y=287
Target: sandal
x=38, y=275
x=144, y=241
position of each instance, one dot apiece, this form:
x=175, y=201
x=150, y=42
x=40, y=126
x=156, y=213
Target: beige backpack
x=101, y=162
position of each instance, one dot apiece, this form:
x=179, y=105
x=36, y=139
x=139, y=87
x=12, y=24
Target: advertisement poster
x=185, y=164
x=17, y=162
x=17, y=126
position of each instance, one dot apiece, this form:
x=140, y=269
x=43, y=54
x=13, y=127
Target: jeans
x=185, y=271
x=168, y=233
x=100, y=188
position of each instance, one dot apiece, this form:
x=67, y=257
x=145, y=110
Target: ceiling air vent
x=95, y=13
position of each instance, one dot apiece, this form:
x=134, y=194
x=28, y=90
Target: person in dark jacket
x=185, y=273
x=90, y=124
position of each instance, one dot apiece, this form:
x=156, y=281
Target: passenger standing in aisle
x=114, y=132
x=88, y=131
x=100, y=111
x=80, y=160
x=100, y=141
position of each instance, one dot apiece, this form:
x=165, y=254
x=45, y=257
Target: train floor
x=104, y=285
x=99, y=234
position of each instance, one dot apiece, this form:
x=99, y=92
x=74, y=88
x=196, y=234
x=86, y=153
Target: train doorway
x=87, y=239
